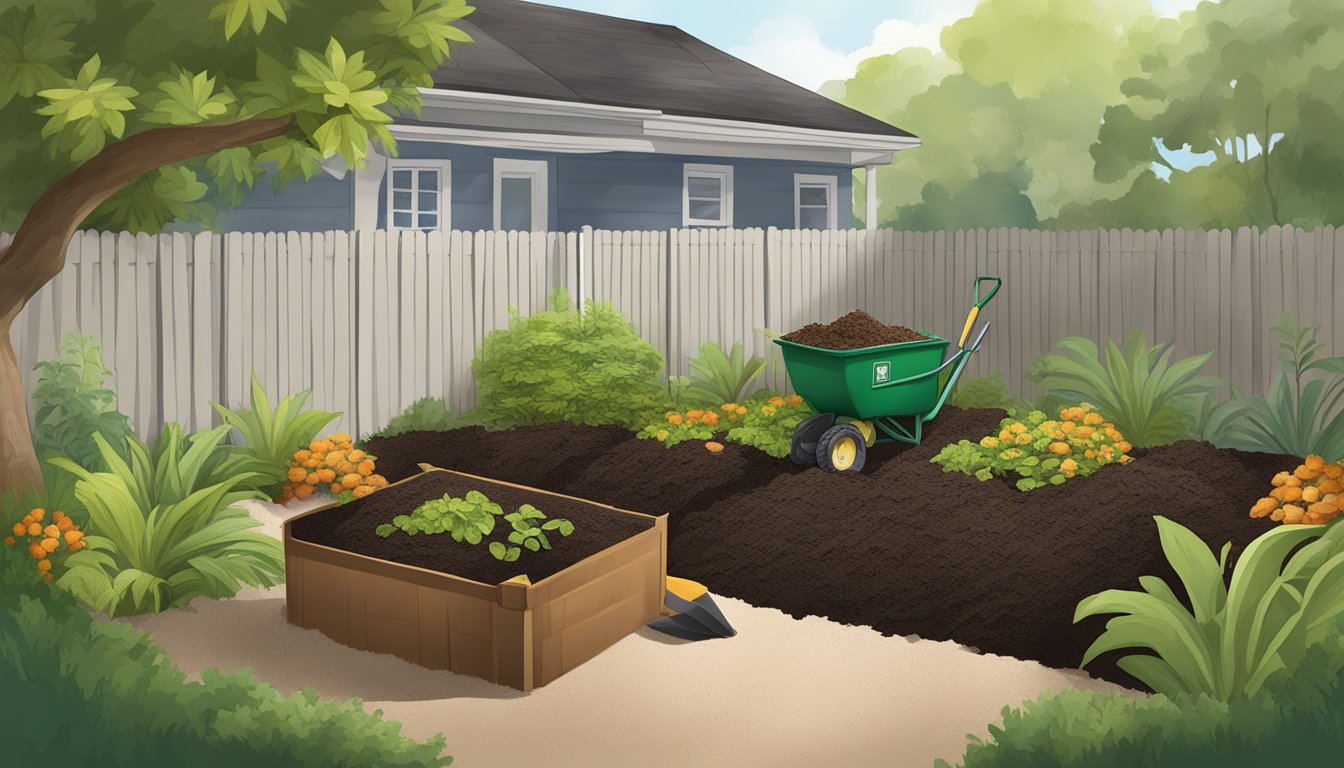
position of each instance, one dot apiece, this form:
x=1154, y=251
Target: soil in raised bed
x=902, y=547
x=856, y=330
x=350, y=527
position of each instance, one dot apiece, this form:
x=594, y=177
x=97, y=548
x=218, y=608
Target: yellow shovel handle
x=970, y=322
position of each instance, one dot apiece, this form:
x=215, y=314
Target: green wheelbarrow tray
x=893, y=386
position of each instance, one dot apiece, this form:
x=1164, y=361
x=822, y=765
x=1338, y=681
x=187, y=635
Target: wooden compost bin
x=515, y=634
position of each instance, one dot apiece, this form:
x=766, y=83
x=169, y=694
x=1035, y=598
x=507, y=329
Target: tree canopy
x=1051, y=113
x=78, y=75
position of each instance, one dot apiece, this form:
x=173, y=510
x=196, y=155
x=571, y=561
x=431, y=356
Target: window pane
x=429, y=221
x=401, y=179
x=706, y=210
x=429, y=201
x=704, y=187
x=401, y=201
x=401, y=220
x=515, y=204
x=813, y=218
x=429, y=179
x=812, y=195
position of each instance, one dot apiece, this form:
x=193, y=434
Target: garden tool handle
x=979, y=304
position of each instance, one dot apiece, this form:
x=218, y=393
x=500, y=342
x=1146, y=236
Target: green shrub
x=1281, y=601
x=983, y=392
x=1299, y=721
x=73, y=404
x=428, y=414
x=1304, y=413
x=272, y=436
x=166, y=530
x=717, y=378
x=589, y=367
x=1137, y=388
x=78, y=691
x=768, y=425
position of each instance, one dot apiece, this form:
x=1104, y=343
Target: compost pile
x=856, y=330
x=902, y=547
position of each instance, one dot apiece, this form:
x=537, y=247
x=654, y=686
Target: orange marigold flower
x=729, y=407
x=365, y=467
x=377, y=481
x=796, y=400
x=34, y=529
x=1093, y=419
x=304, y=491
x=36, y=551
x=320, y=446
x=44, y=565
x=302, y=456
x=741, y=410
x=65, y=524
x=296, y=474
x=326, y=475
x=37, y=514
x=312, y=479
x=351, y=480
x=9, y=541
x=1264, y=506
x=20, y=529
x=361, y=491
x=674, y=418
x=50, y=544
x=695, y=413
x=1060, y=449
x=1314, y=462
x=1305, y=472
x=57, y=516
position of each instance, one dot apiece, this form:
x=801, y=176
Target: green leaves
x=717, y=378
x=33, y=53
x=90, y=107
x=190, y=99
x=529, y=530
x=1138, y=388
x=1239, y=635
x=471, y=518
x=343, y=82
x=235, y=12
x=425, y=26
x=272, y=436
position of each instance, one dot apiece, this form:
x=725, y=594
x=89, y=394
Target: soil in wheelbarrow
x=857, y=330
x=350, y=527
x=902, y=547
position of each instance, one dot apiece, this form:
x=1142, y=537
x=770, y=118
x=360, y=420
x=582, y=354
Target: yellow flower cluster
x=44, y=541
x=1308, y=495
x=1080, y=438
x=333, y=463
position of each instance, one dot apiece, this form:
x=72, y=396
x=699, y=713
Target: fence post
x=585, y=244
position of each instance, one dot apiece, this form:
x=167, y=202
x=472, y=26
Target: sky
x=806, y=41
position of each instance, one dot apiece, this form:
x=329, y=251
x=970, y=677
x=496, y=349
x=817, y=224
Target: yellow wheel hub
x=843, y=453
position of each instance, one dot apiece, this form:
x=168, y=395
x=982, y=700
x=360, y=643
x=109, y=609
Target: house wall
x=319, y=204
x=622, y=191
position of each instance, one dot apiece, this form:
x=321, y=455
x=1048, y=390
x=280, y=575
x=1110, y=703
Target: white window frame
x=445, y=169
x=832, y=185
x=537, y=171
x=724, y=173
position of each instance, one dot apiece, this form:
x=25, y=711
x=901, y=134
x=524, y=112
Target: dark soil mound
x=351, y=527
x=856, y=330
x=902, y=547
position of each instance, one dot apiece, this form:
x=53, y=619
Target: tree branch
x=37, y=253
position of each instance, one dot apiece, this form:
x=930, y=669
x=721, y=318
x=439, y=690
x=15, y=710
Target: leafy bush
x=1295, y=722
x=1040, y=450
x=589, y=367
x=1138, y=389
x=1304, y=413
x=87, y=692
x=272, y=436
x=43, y=538
x=985, y=392
x=73, y=403
x=166, y=532
x=1309, y=495
x=719, y=378
x=1237, y=638
x=428, y=414
x=768, y=426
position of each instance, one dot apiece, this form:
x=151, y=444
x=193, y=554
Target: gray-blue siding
x=621, y=191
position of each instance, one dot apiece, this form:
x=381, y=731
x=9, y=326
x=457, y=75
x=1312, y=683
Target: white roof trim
x=516, y=122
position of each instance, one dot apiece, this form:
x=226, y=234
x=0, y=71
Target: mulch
x=902, y=547
x=856, y=330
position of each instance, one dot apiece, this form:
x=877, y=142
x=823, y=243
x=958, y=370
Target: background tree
x=129, y=112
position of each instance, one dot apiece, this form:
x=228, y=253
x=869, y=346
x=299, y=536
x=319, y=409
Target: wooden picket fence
x=372, y=321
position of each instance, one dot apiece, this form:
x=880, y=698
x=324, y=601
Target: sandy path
x=783, y=691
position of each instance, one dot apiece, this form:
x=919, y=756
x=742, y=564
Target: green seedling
x=529, y=531
x=467, y=519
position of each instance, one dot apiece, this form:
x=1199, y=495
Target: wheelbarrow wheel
x=805, y=436
x=842, y=449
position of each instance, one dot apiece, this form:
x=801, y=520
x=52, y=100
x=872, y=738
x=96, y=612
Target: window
x=707, y=196
x=520, y=195
x=418, y=194
x=814, y=201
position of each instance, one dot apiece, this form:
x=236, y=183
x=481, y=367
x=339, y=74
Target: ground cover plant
x=1138, y=387
x=1040, y=451
x=332, y=464
x=271, y=436
x=1310, y=494
x=1282, y=598
x=165, y=531
x=765, y=424
x=472, y=517
x=428, y=414
x=44, y=541
x=583, y=367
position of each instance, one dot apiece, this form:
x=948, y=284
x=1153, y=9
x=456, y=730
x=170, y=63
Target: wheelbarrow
x=877, y=394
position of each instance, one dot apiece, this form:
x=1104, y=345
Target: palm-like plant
x=272, y=436
x=718, y=378
x=1239, y=635
x=165, y=529
x=1138, y=388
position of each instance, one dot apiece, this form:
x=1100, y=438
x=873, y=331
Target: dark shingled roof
x=528, y=49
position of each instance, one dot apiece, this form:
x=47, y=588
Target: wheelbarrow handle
x=980, y=303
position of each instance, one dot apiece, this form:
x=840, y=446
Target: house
x=555, y=119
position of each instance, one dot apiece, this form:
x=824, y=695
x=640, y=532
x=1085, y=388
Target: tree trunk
x=37, y=254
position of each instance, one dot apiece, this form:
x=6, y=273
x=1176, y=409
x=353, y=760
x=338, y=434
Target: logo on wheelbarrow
x=881, y=372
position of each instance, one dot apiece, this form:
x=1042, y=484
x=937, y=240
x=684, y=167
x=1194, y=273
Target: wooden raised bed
x=515, y=634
